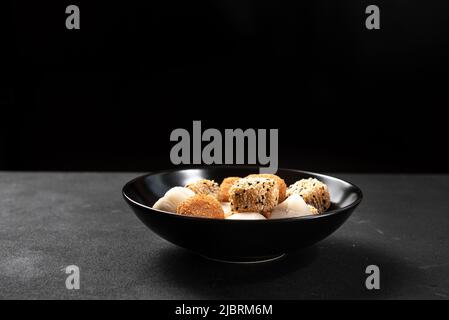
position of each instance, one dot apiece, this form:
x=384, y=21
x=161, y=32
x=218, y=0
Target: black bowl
x=238, y=240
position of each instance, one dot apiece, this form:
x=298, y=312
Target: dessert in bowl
x=247, y=217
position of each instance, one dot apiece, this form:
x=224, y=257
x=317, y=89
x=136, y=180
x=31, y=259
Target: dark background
x=344, y=98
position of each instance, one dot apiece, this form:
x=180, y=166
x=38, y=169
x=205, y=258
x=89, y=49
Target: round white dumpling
x=178, y=194
x=172, y=198
x=226, y=208
x=293, y=206
x=246, y=216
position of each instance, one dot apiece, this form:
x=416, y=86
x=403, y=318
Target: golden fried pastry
x=254, y=195
x=204, y=186
x=201, y=205
x=314, y=193
x=279, y=181
x=223, y=195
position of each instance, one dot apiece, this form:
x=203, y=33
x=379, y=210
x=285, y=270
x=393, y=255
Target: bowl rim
x=354, y=204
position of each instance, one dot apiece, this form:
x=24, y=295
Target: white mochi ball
x=226, y=208
x=246, y=216
x=293, y=206
x=172, y=198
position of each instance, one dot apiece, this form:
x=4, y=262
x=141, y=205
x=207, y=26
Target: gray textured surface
x=51, y=220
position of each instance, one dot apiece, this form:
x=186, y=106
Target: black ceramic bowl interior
x=238, y=240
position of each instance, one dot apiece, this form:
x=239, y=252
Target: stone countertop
x=51, y=220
